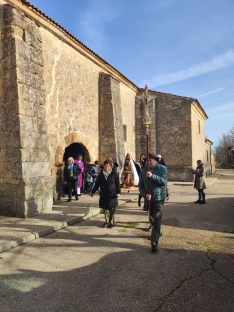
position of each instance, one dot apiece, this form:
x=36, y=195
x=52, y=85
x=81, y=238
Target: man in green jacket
x=158, y=179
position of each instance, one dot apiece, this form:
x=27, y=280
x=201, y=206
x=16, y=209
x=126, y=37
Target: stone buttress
x=25, y=174
x=111, y=136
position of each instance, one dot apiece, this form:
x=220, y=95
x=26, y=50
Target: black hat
x=152, y=156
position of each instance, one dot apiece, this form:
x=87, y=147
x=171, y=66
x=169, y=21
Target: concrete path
x=17, y=231
x=85, y=267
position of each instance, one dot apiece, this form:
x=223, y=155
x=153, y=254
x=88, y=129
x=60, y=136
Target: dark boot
x=203, y=201
x=139, y=200
x=197, y=201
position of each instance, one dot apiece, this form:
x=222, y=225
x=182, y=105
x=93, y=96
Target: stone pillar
x=25, y=175
x=111, y=135
x=141, y=144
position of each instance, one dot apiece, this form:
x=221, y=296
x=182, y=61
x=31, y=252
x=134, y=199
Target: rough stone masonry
x=24, y=161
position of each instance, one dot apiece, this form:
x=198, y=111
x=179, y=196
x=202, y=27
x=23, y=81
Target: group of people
x=153, y=187
x=73, y=177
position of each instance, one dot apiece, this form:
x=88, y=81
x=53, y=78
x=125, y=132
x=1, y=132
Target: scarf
x=106, y=174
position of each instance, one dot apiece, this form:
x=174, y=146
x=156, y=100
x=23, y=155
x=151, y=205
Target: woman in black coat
x=70, y=176
x=108, y=181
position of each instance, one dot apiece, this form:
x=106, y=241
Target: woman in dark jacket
x=200, y=182
x=70, y=176
x=108, y=181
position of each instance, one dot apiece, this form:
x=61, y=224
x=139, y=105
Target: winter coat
x=200, y=182
x=158, y=183
x=93, y=171
x=76, y=171
x=110, y=187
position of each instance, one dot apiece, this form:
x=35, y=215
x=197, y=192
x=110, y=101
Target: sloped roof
x=27, y=4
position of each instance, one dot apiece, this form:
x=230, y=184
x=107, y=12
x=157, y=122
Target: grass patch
x=1, y=258
x=223, y=166
x=131, y=225
x=123, y=230
x=208, y=241
x=192, y=243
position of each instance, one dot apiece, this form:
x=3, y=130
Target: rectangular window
x=207, y=156
x=125, y=133
x=199, y=127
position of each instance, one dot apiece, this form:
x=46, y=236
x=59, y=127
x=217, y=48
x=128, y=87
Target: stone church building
x=58, y=98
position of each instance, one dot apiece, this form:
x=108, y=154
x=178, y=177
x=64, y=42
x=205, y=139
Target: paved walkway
x=17, y=231
x=88, y=268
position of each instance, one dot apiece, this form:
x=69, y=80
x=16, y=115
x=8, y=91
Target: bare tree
x=222, y=153
x=232, y=133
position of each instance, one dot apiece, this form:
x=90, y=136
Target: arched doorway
x=71, y=145
x=74, y=149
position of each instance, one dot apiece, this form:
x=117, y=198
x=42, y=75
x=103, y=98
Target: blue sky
x=183, y=47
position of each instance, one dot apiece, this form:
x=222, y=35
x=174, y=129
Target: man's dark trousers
x=156, y=217
x=72, y=187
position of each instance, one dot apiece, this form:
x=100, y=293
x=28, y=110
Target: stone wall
x=26, y=187
x=208, y=159
x=174, y=132
x=128, y=118
x=198, y=136
x=111, y=126
x=170, y=132
x=74, y=106
x=72, y=101
x=213, y=170
x=53, y=91
x=141, y=139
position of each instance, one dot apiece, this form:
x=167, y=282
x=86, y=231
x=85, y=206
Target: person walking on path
x=94, y=172
x=71, y=173
x=200, y=182
x=158, y=179
x=108, y=181
x=80, y=163
x=160, y=161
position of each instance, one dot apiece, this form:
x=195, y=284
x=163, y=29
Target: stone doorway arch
x=73, y=143
x=74, y=149
x=70, y=138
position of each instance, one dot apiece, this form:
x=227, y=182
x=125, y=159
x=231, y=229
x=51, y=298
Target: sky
x=182, y=47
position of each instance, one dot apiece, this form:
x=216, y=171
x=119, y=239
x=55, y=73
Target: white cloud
x=92, y=23
x=218, y=62
x=211, y=92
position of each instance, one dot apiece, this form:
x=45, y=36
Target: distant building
x=58, y=99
